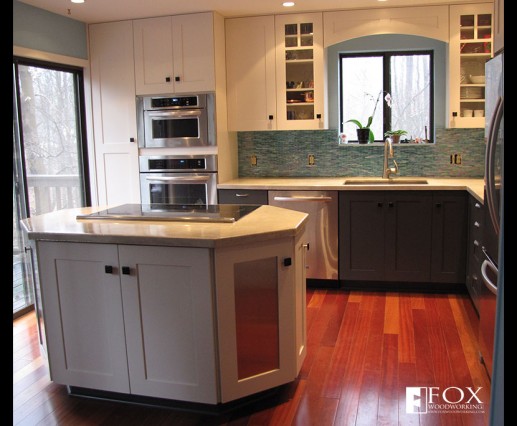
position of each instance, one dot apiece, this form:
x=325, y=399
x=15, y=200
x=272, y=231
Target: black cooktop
x=228, y=213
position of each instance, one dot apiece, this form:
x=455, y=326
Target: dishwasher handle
x=301, y=198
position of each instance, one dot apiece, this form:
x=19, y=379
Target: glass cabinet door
x=299, y=75
x=473, y=47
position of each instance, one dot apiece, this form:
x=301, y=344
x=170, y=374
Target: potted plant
x=395, y=135
x=364, y=133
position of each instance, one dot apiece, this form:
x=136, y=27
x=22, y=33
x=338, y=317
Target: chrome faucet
x=388, y=153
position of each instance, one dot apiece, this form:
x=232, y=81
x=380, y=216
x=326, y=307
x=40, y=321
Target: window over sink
x=394, y=88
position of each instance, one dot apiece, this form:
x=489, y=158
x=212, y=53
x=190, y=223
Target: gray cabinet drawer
x=242, y=196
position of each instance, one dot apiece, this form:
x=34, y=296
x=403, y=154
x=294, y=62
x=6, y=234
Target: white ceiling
x=93, y=11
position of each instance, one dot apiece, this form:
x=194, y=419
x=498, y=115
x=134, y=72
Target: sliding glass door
x=49, y=154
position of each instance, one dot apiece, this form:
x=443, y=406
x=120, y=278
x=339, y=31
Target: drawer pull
x=242, y=195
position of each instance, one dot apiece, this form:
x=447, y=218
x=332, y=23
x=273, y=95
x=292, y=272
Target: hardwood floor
x=364, y=349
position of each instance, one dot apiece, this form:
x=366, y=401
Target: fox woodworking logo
x=449, y=400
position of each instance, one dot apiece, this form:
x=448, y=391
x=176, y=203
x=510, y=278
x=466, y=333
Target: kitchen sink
x=384, y=181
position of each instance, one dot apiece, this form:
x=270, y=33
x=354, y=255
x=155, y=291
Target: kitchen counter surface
x=473, y=185
x=265, y=223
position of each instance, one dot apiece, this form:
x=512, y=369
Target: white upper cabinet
x=470, y=46
x=114, y=112
x=265, y=56
x=300, y=71
x=498, y=25
x=174, y=54
x=250, y=73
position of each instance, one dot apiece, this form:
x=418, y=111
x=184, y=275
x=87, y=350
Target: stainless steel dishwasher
x=322, y=231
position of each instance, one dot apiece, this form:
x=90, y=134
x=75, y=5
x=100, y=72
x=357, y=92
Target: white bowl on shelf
x=477, y=79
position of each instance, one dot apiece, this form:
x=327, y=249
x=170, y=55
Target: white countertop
x=265, y=223
x=473, y=185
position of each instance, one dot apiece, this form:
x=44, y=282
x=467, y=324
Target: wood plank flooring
x=364, y=349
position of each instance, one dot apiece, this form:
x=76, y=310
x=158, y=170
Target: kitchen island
x=179, y=311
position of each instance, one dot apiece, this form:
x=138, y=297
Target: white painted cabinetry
x=114, y=112
x=264, y=55
x=260, y=315
x=470, y=46
x=130, y=319
x=174, y=54
x=181, y=323
x=250, y=73
x=498, y=25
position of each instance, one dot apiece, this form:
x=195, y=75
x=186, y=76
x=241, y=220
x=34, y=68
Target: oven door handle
x=180, y=179
x=191, y=113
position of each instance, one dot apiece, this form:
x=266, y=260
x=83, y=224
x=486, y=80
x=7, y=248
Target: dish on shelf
x=471, y=92
x=477, y=79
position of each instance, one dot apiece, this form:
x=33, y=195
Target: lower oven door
x=178, y=188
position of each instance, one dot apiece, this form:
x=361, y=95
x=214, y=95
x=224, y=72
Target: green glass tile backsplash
x=285, y=154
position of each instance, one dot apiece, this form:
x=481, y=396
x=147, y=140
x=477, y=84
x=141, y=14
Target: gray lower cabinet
x=412, y=236
x=449, y=240
x=474, y=253
x=242, y=196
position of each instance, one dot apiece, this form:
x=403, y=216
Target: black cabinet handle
x=177, y=78
x=318, y=115
x=131, y=139
x=168, y=79
x=288, y=261
x=270, y=116
x=108, y=269
x=126, y=270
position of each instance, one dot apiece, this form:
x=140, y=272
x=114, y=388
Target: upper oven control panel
x=180, y=101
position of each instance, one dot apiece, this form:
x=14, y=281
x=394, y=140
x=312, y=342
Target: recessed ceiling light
x=77, y=1
x=288, y=3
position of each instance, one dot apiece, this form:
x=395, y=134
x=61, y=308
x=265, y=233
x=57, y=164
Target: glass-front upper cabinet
x=300, y=71
x=470, y=47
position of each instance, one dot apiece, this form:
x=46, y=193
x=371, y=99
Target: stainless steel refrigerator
x=494, y=160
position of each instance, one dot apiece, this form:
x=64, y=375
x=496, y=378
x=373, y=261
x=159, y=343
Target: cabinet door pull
x=477, y=206
x=270, y=116
x=318, y=115
x=126, y=270
x=476, y=224
x=108, y=269
x=288, y=261
x=306, y=246
x=167, y=79
x=177, y=78
x=131, y=139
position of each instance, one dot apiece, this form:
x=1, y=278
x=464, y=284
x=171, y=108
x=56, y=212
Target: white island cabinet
x=130, y=319
x=194, y=312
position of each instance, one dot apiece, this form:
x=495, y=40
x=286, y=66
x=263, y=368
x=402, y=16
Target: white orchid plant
x=387, y=98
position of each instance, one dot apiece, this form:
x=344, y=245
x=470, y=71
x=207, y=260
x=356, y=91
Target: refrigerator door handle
x=495, y=123
x=488, y=284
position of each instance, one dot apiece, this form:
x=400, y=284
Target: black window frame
x=79, y=86
x=386, y=57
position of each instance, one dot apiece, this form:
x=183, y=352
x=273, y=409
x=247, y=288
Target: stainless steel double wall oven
x=182, y=176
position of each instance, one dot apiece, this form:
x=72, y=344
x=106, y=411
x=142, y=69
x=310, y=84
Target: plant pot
x=395, y=138
x=363, y=135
